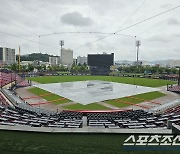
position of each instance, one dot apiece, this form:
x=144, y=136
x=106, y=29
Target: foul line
x=143, y=100
x=37, y=96
x=47, y=102
x=125, y=102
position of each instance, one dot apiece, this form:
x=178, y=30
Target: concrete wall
x=86, y=130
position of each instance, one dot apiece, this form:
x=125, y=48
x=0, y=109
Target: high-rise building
x=66, y=57
x=7, y=56
x=54, y=60
x=81, y=60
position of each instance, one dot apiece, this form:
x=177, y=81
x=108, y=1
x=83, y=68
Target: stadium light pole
x=61, y=44
x=138, y=43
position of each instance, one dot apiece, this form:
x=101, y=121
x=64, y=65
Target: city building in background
x=74, y=61
x=53, y=61
x=7, y=56
x=140, y=63
x=81, y=60
x=66, y=57
x=171, y=63
x=26, y=63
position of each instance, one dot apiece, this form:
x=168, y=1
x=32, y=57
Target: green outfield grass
x=51, y=97
x=135, y=99
x=128, y=80
x=15, y=142
x=93, y=106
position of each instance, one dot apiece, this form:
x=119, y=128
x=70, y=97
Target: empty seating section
x=131, y=119
x=21, y=82
x=20, y=104
x=23, y=114
x=174, y=88
x=68, y=119
x=7, y=77
x=12, y=117
x=110, y=120
x=3, y=102
x=175, y=110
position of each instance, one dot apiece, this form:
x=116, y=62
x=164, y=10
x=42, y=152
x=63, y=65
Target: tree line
x=83, y=68
x=147, y=70
x=42, y=68
x=35, y=56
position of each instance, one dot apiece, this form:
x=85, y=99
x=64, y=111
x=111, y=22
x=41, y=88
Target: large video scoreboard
x=101, y=59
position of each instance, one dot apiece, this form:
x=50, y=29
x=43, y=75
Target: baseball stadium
x=120, y=106
x=98, y=104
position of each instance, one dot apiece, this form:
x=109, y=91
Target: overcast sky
x=160, y=36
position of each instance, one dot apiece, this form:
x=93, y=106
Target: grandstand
x=128, y=119
x=174, y=88
x=7, y=77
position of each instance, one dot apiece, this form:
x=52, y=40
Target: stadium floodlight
x=61, y=42
x=138, y=43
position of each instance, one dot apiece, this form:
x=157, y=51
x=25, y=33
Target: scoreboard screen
x=101, y=59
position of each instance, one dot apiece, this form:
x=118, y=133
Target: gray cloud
x=173, y=21
x=4, y=21
x=165, y=6
x=75, y=18
x=160, y=38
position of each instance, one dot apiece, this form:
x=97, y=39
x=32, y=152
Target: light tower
x=138, y=43
x=61, y=44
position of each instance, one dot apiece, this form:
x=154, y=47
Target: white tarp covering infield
x=86, y=92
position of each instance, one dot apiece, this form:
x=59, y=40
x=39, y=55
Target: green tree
x=39, y=68
x=23, y=68
x=14, y=67
x=44, y=67
x=30, y=68
x=167, y=70
x=50, y=68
